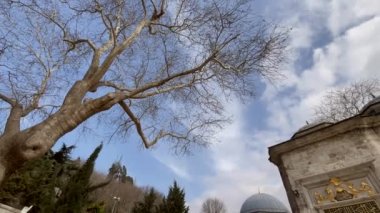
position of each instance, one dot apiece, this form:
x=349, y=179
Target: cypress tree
x=75, y=195
x=32, y=185
x=175, y=201
x=63, y=155
x=147, y=205
x=38, y=182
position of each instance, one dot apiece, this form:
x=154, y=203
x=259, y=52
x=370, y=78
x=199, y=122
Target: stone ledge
x=349, y=202
x=7, y=209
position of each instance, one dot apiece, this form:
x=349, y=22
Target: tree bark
x=10, y=157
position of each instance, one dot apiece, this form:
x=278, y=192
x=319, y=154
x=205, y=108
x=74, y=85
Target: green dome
x=263, y=203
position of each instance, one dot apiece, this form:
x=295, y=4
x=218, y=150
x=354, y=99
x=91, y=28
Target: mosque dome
x=263, y=203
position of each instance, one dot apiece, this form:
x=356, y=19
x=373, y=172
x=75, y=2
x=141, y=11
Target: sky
x=332, y=43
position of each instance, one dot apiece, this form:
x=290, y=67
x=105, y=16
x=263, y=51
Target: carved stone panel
x=367, y=207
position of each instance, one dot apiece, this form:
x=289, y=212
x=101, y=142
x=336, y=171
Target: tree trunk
x=10, y=153
x=16, y=148
x=24, y=146
x=2, y=172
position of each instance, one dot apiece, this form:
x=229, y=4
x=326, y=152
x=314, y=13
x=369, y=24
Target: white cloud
x=301, y=33
x=361, y=49
x=241, y=166
x=345, y=13
x=240, y=161
x=175, y=163
x=179, y=170
x=348, y=57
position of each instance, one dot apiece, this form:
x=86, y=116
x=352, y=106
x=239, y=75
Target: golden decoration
x=336, y=181
x=338, y=190
x=365, y=187
x=352, y=189
x=330, y=195
x=318, y=197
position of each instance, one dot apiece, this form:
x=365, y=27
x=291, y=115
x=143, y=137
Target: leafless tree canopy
x=213, y=205
x=127, y=192
x=160, y=68
x=343, y=103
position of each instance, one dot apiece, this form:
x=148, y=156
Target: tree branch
x=13, y=122
x=144, y=7
x=61, y=26
x=174, y=76
x=161, y=91
x=112, y=85
x=168, y=89
x=139, y=129
x=73, y=43
x=10, y=101
x=225, y=66
x=43, y=86
x=108, y=25
x=93, y=76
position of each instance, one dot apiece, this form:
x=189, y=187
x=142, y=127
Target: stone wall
x=8, y=209
x=339, y=156
x=348, y=151
x=330, y=155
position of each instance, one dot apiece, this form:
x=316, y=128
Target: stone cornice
x=348, y=125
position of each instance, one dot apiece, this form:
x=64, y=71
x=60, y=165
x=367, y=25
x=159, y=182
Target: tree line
x=57, y=183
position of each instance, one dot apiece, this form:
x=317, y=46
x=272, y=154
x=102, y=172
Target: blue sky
x=332, y=43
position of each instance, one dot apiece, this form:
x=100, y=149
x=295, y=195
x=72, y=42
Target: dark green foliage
x=148, y=204
x=174, y=202
x=41, y=183
x=75, y=195
x=119, y=173
x=96, y=208
x=63, y=155
x=53, y=183
x=34, y=184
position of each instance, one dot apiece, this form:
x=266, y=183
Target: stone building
x=333, y=167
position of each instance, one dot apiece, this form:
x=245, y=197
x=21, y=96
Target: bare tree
x=213, y=205
x=127, y=193
x=158, y=67
x=343, y=103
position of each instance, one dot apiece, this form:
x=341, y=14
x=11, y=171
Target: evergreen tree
x=97, y=207
x=41, y=186
x=75, y=195
x=36, y=183
x=119, y=172
x=174, y=202
x=40, y=183
x=147, y=205
x=63, y=155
